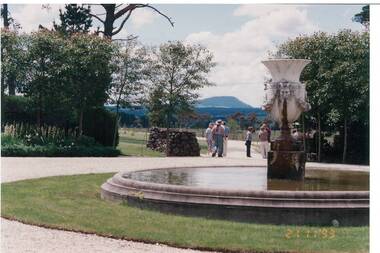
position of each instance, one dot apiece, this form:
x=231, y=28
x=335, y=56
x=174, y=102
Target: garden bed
x=54, y=151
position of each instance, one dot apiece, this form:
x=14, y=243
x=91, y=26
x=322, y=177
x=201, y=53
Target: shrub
x=357, y=144
x=17, y=109
x=33, y=135
x=37, y=145
x=100, y=124
x=7, y=140
x=21, y=109
x=86, y=141
x=51, y=150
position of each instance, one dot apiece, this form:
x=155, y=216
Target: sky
x=239, y=36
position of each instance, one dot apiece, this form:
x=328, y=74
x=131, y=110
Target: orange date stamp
x=310, y=233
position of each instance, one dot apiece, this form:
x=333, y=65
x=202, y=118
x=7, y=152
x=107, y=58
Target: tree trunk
x=10, y=80
x=11, y=86
x=81, y=122
x=66, y=128
x=116, y=126
x=110, y=19
x=39, y=111
x=168, y=126
x=169, y=118
x=319, y=137
x=5, y=16
x=2, y=81
x=345, y=141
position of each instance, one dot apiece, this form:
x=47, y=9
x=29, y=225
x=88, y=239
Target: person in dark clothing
x=248, y=140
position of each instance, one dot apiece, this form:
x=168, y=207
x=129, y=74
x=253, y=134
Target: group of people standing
x=217, y=138
x=264, y=140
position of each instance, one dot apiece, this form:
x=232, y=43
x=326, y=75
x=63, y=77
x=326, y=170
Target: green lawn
x=133, y=141
x=73, y=202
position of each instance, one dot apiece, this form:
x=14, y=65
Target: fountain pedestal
x=285, y=100
x=286, y=160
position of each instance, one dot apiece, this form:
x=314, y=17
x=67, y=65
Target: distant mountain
x=222, y=102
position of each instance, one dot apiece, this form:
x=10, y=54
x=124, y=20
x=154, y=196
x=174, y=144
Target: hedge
x=20, y=150
x=98, y=123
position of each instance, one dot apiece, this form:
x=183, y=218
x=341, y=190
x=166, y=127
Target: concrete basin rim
x=327, y=167
x=118, y=177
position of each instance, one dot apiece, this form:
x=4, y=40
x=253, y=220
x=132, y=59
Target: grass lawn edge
x=163, y=241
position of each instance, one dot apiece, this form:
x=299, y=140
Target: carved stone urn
x=285, y=100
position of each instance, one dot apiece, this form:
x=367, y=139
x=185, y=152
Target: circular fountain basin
x=243, y=193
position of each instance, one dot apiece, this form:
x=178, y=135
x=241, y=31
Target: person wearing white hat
x=218, y=136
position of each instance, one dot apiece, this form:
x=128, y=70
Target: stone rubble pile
x=181, y=143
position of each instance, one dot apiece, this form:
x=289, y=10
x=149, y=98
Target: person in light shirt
x=209, y=139
x=218, y=137
x=225, y=142
x=263, y=140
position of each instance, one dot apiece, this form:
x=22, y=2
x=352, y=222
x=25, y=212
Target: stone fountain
x=259, y=194
x=285, y=100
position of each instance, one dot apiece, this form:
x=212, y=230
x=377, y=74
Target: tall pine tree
x=75, y=19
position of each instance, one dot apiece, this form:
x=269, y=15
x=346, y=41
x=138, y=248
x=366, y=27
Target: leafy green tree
x=156, y=108
x=188, y=119
x=337, y=79
x=45, y=72
x=177, y=73
x=363, y=17
x=11, y=53
x=240, y=119
x=350, y=81
x=74, y=19
x=88, y=72
x=128, y=77
x=233, y=124
x=252, y=117
x=12, y=61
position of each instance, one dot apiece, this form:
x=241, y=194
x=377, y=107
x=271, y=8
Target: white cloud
x=30, y=16
x=251, y=10
x=141, y=17
x=239, y=53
